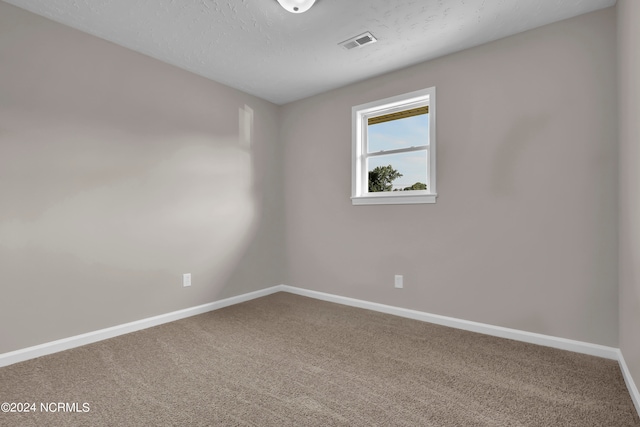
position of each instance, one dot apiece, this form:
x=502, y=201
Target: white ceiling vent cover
x=358, y=41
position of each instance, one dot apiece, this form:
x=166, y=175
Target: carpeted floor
x=287, y=360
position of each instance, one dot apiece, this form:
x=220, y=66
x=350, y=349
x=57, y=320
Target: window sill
x=394, y=199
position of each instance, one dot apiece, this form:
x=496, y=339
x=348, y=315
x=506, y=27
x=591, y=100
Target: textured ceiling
x=258, y=47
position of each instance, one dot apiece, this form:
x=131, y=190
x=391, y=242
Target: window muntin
x=398, y=132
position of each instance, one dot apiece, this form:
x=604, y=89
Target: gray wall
x=629, y=136
x=524, y=232
x=119, y=173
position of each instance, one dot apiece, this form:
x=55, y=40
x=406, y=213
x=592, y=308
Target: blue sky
x=395, y=134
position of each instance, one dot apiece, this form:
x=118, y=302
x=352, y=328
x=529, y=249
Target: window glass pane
x=384, y=172
x=396, y=134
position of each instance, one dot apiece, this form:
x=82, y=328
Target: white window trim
x=359, y=175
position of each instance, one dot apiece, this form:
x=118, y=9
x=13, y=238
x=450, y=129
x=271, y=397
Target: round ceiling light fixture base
x=296, y=6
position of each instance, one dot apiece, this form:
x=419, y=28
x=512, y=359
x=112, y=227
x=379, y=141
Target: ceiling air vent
x=358, y=41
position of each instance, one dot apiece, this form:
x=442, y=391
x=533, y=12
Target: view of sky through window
x=398, y=134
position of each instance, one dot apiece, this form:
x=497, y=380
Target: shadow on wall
x=182, y=203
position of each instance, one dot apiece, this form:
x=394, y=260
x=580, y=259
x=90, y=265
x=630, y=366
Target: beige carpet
x=286, y=360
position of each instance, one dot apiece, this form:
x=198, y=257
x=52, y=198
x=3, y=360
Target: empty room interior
x=186, y=239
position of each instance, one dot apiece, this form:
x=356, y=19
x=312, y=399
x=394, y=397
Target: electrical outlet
x=399, y=282
x=186, y=279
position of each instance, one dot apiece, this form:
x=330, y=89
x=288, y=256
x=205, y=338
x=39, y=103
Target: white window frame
x=360, y=114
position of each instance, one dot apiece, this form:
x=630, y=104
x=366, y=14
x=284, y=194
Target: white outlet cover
x=398, y=281
x=186, y=279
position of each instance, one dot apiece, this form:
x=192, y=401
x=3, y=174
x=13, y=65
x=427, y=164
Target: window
x=394, y=150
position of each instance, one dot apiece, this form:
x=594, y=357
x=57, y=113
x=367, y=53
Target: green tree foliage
x=382, y=177
x=416, y=186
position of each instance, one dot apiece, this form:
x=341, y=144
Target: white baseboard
x=483, y=328
x=103, y=334
x=628, y=379
x=498, y=331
